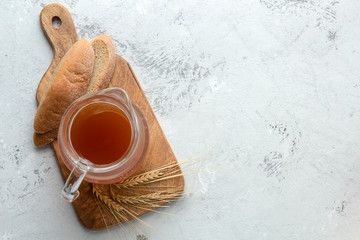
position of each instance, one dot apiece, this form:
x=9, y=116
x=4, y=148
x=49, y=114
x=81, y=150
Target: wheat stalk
x=147, y=177
x=116, y=201
x=107, y=200
x=114, y=207
x=153, y=199
x=126, y=199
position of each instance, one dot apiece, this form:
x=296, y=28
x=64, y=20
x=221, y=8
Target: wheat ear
x=106, y=199
x=146, y=177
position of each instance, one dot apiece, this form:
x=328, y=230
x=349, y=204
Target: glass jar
x=82, y=169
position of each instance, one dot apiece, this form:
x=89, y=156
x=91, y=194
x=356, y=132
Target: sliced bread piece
x=104, y=63
x=69, y=82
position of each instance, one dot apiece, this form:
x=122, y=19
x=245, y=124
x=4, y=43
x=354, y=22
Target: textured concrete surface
x=265, y=92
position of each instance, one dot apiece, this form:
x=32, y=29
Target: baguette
x=104, y=63
x=69, y=82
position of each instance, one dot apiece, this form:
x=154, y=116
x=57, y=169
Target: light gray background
x=265, y=93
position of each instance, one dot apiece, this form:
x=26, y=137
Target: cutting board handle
x=60, y=37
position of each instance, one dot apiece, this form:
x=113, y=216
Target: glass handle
x=70, y=190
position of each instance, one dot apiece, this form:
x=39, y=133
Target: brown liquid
x=100, y=133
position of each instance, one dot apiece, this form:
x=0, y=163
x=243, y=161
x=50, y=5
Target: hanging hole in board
x=56, y=22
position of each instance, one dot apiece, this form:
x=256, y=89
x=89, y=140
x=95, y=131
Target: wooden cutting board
x=159, y=154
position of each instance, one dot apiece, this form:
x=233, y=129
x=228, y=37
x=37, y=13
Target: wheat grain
x=147, y=177
x=126, y=199
x=106, y=199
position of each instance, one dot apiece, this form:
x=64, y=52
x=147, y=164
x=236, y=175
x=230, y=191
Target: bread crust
x=100, y=83
x=45, y=138
x=69, y=82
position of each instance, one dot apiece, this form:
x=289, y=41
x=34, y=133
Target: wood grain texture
x=159, y=153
